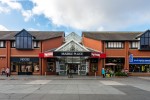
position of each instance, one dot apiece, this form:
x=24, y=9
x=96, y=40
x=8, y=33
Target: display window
x=51, y=67
x=24, y=65
x=139, y=68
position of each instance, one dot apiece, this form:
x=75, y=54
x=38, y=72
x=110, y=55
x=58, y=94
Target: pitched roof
x=39, y=35
x=112, y=36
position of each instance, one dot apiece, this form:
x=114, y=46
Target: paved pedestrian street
x=132, y=88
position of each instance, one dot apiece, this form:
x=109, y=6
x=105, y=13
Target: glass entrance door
x=77, y=65
x=25, y=68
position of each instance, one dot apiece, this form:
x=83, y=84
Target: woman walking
x=103, y=72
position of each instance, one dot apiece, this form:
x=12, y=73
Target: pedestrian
x=103, y=72
x=3, y=71
x=68, y=72
x=7, y=72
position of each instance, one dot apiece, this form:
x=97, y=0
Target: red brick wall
x=94, y=44
x=52, y=43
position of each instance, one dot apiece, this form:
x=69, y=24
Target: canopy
x=109, y=64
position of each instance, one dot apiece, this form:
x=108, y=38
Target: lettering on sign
x=24, y=59
x=49, y=54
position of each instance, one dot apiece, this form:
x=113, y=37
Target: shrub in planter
x=121, y=74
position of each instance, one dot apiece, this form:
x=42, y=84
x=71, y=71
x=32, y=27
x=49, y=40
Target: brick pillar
x=8, y=53
x=126, y=55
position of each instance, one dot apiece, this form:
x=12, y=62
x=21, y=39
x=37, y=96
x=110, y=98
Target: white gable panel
x=71, y=46
x=73, y=36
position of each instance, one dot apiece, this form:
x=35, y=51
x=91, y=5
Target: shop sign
x=46, y=55
x=24, y=59
x=49, y=54
x=131, y=58
x=72, y=53
x=140, y=61
x=98, y=55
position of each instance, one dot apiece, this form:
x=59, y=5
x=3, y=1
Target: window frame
x=24, y=41
x=114, y=45
x=2, y=44
x=145, y=41
x=36, y=44
x=134, y=44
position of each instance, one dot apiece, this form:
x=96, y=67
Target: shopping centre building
x=52, y=53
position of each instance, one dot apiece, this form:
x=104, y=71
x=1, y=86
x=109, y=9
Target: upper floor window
x=134, y=45
x=2, y=44
x=13, y=44
x=115, y=45
x=23, y=40
x=36, y=44
x=145, y=41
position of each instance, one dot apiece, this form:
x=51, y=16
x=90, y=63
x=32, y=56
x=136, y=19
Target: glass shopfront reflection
x=77, y=65
x=24, y=66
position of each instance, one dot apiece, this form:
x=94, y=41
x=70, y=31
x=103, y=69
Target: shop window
x=2, y=44
x=50, y=67
x=114, y=45
x=139, y=68
x=134, y=44
x=94, y=65
x=14, y=67
x=36, y=67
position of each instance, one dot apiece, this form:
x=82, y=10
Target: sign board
x=72, y=53
x=131, y=58
x=140, y=61
x=98, y=55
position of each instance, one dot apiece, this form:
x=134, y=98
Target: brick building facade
x=51, y=53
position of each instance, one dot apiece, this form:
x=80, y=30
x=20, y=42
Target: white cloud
x=32, y=29
x=94, y=14
x=3, y=28
x=4, y=10
x=12, y=4
x=27, y=14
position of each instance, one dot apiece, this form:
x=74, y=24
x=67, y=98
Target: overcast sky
x=75, y=15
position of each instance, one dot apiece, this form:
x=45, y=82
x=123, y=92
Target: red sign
x=98, y=55
x=46, y=55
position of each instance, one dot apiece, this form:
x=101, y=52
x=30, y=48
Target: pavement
x=77, y=88
x=48, y=77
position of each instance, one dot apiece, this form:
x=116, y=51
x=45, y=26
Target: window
x=2, y=44
x=13, y=44
x=134, y=45
x=36, y=44
x=24, y=40
x=114, y=45
x=145, y=41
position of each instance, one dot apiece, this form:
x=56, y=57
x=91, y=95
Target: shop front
x=80, y=63
x=77, y=62
x=141, y=65
x=114, y=64
x=25, y=65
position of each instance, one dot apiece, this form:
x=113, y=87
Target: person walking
x=7, y=72
x=103, y=72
